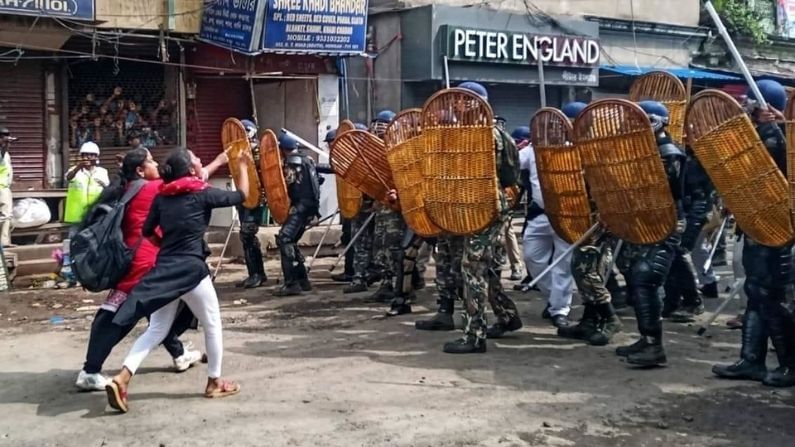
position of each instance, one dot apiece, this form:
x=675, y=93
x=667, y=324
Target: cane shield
x=236, y=144
x=560, y=174
x=726, y=143
x=624, y=171
x=405, y=152
x=359, y=157
x=668, y=89
x=461, y=191
x=348, y=197
x=272, y=177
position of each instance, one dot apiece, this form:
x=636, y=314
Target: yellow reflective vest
x=84, y=189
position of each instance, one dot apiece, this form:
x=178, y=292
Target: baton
x=317, y=224
x=304, y=143
x=557, y=261
x=353, y=240
x=322, y=239
x=735, y=289
x=708, y=264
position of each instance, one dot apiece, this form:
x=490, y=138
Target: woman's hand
x=392, y=196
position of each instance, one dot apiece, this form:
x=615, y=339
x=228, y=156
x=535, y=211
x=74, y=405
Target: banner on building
x=323, y=26
x=71, y=9
x=233, y=24
x=786, y=18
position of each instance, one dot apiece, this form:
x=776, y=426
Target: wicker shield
x=349, y=199
x=560, y=174
x=272, y=177
x=753, y=188
x=405, y=155
x=460, y=167
x=235, y=141
x=790, y=117
x=360, y=158
x=668, y=89
x=624, y=171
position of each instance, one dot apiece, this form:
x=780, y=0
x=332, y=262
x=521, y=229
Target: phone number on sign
x=332, y=39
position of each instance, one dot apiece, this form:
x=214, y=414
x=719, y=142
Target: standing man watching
x=6, y=178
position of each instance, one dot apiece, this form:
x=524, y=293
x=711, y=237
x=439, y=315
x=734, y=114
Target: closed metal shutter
x=215, y=101
x=22, y=112
x=517, y=103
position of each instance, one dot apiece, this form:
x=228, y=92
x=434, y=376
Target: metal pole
x=560, y=258
x=320, y=244
x=446, y=73
x=304, y=143
x=541, y=83
x=353, y=240
x=736, y=54
x=735, y=290
x=708, y=264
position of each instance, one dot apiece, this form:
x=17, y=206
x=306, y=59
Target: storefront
x=499, y=49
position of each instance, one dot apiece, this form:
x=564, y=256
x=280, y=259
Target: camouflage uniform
x=503, y=307
x=386, y=249
x=363, y=246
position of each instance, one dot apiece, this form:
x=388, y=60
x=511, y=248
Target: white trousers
x=539, y=243
x=203, y=302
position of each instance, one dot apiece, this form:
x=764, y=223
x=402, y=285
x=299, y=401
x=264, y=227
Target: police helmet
x=287, y=143
x=360, y=126
x=521, y=133
x=330, y=136
x=572, y=109
x=657, y=112
x=773, y=92
x=475, y=88
x=385, y=116
x=251, y=128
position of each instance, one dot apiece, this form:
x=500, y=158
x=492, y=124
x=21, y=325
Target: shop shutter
x=22, y=112
x=517, y=103
x=215, y=101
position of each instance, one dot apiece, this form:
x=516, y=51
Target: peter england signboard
x=305, y=26
x=507, y=47
x=70, y=9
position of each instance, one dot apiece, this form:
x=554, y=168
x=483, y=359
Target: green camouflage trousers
x=589, y=262
x=449, y=251
x=387, y=235
x=481, y=279
x=363, y=247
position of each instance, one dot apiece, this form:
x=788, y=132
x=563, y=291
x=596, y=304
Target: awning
x=679, y=72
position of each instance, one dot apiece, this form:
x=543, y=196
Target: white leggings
x=203, y=302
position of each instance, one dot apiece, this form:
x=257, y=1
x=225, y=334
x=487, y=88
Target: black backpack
x=100, y=259
x=508, y=171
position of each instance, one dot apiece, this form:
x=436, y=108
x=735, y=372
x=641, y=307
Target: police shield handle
x=560, y=258
x=304, y=143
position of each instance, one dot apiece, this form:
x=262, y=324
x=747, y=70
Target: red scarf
x=183, y=185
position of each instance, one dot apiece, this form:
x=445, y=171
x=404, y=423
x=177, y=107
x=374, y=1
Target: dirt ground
x=325, y=369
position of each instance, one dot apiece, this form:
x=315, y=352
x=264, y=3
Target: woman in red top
x=137, y=166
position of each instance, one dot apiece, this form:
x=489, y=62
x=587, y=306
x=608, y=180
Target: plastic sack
x=29, y=213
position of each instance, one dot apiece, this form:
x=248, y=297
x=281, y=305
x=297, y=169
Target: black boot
x=499, y=329
x=305, y=285
x=751, y=365
x=648, y=308
x=373, y=277
x=585, y=328
x=417, y=281
x=288, y=290
x=638, y=346
x=443, y=320
x=355, y=287
x=710, y=290
x=652, y=354
x=610, y=325
x=399, y=306
x=342, y=277
x=467, y=345
x=780, y=331
x=252, y=281
x=384, y=294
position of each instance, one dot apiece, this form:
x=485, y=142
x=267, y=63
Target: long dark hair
x=176, y=166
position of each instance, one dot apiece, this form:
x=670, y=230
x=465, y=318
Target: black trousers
x=105, y=335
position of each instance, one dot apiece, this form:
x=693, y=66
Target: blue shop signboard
x=320, y=26
x=233, y=24
x=72, y=9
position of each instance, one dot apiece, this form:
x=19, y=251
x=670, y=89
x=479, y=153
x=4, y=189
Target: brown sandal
x=117, y=398
x=224, y=390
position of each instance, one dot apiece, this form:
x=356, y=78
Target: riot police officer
x=250, y=220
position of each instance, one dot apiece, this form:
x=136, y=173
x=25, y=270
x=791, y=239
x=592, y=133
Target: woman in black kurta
x=182, y=210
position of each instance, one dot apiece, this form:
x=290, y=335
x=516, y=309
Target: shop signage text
x=465, y=44
x=72, y=9
x=337, y=26
x=233, y=24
